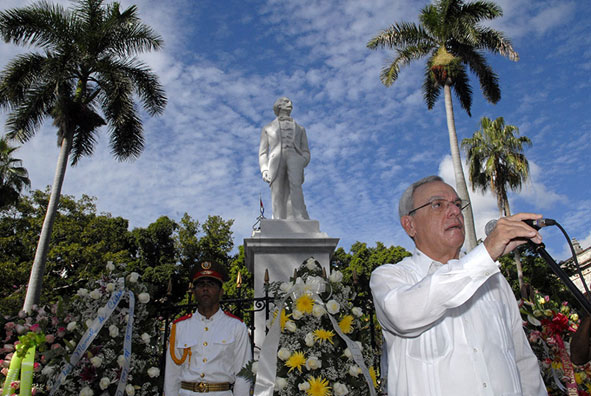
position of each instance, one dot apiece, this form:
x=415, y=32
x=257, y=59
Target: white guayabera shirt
x=453, y=329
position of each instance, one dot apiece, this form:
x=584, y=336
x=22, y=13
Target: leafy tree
x=450, y=35
x=13, y=177
x=88, y=61
x=82, y=243
x=496, y=161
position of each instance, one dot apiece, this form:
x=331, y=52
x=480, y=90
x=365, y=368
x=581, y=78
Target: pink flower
x=61, y=331
x=547, y=298
x=56, y=346
x=49, y=338
x=4, y=371
x=8, y=347
x=54, y=321
x=36, y=367
x=9, y=325
x=33, y=391
x=36, y=328
x=15, y=384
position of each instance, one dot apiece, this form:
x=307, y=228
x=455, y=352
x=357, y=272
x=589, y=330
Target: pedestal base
x=280, y=246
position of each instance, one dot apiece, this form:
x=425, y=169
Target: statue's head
x=282, y=103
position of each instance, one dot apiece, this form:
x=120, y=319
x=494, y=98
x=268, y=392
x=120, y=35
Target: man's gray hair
x=406, y=200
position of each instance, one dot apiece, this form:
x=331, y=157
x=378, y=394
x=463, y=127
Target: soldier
x=208, y=348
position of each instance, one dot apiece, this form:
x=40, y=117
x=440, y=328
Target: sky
x=224, y=63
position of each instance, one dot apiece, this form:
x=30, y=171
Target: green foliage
x=13, y=177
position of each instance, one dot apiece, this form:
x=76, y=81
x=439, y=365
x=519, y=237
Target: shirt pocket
x=225, y=345
x=430, y=346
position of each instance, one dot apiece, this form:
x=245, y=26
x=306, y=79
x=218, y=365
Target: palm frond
x=462, y=89
x=400, y=35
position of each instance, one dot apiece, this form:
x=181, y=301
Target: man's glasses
x=441, y=205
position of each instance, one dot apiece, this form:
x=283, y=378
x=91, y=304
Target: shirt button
x=204, y=360
x=205, y=343
x=202, y=375
x=484, y=384
x=206, y=329
x=475, y=350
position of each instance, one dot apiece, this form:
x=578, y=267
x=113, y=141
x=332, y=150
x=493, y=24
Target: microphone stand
x=541, y=250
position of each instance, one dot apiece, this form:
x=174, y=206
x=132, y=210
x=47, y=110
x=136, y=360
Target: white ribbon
x=91, y=334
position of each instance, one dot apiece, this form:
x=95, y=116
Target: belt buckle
x=201, y=387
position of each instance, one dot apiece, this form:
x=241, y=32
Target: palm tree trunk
x=461, y=187
x=38, y=269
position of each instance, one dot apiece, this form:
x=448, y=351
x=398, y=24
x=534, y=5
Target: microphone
x=536, y=224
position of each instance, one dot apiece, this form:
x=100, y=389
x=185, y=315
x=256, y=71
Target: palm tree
x=86, y=76
x=496, y=162
x=13, y=177
x=450, y=36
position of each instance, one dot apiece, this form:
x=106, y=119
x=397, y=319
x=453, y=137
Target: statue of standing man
x=283, y=155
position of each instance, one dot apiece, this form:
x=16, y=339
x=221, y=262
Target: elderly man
x=452, y=325
x=283, y=155
x=207, y=349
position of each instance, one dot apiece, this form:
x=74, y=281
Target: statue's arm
x=264, y=151
x=304, y=146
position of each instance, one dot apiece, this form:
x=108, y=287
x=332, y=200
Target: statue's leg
x=280, y=191
x=295, y=174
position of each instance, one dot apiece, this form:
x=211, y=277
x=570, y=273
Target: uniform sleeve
x=242, y=355
x=527, y=363
x=407, y=307
x=172, y=383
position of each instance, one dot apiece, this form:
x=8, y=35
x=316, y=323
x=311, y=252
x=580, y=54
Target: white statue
x=283, y=155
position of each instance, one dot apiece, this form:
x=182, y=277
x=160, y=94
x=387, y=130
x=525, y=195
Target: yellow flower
x=556, y=365
x=297, y=360
x=346, y=324
x=323, y=335
x=579, y=377
x=318, y=387
x=305, y=304
x=541, y=300
x=283, y=320
x=373, y=375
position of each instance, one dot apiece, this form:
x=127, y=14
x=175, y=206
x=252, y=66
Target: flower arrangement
x=56, y=330
x=549, y=326
x=312, y=357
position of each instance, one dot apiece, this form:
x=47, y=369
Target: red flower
x=558, y=324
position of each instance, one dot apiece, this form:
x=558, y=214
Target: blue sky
x=225, y=62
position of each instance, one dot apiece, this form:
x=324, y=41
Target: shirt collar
x=424, y=264
x=197, y=315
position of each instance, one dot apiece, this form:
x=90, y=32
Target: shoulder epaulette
x=183, y=318
x=232, y=315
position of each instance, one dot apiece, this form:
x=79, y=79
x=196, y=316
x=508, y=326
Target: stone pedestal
x=280, y=246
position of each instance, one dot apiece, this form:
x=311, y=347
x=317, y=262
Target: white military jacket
x=214, y=350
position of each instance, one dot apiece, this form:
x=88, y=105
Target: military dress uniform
x=205, y=355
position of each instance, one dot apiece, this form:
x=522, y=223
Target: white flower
x=339, y=389
x=133, y=277
x=120, y=360
x=96, y=361
x=357, y=311
x=333, y=307
x=86, y=391
x=110, y=266
x=304, y=386
x=20, y=329
x=291, y=326
x=95, y=294
x=313, y=363
x=354, y=370
x=146, y=338
x=283, y=354
x=104, y=383
x=297, y=315
x=102, y=312
x=130, y=390
x=48, y=371
x=71, y=326
x=311, y=264
x=88, y=322
x=318, y=311
x=82, y=292
x=254, y=367
x=144, y=298
x=280, y=383
x=315, y=284
x=286, y=287
x=110, y=287
x=309, y=340
x=347, y=353
x=153, y=372
x=336, y=276
x=113, y=331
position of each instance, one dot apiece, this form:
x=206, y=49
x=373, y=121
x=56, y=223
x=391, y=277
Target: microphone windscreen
x=490, y=226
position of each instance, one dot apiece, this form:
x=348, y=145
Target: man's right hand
x=510, y=232
x=266, y=176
